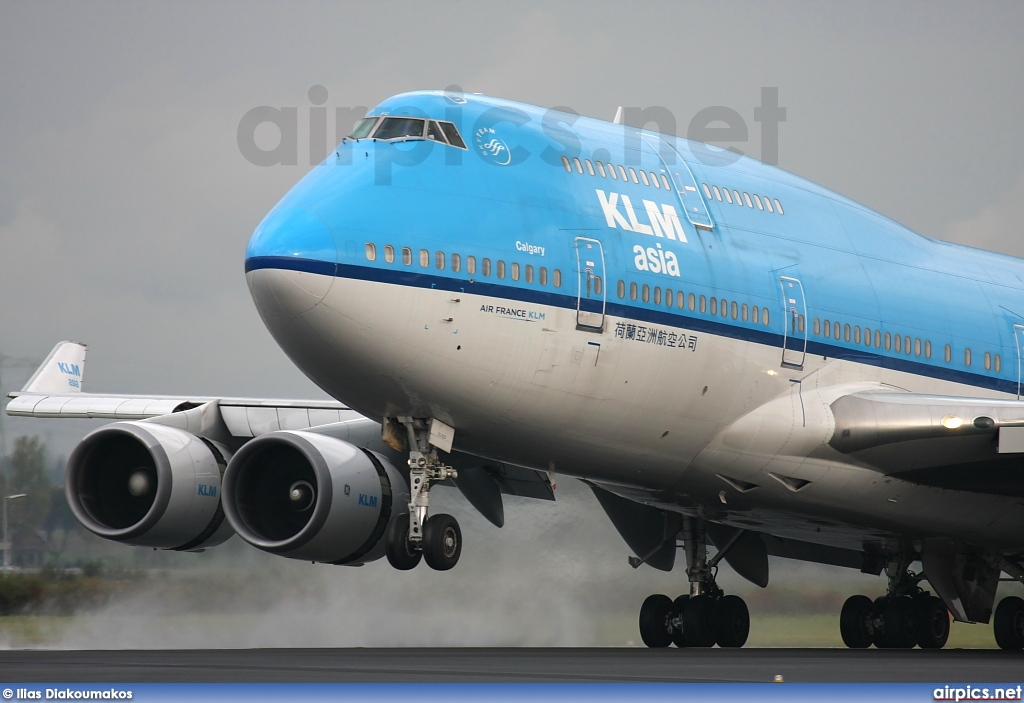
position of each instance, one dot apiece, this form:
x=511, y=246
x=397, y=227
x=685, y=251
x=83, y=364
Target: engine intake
x=148, y=485
x=308, y=496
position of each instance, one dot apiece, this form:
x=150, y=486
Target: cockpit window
x=434, y=132
x=362, y=128
x=399, y=127
x=452, y=133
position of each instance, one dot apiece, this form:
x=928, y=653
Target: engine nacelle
x=308, y=496
x=149, y=485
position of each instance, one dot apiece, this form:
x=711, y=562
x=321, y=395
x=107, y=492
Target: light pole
x=7, y=544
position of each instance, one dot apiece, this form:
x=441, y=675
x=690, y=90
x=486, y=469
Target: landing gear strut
x=705, y=615
x=906, y=616
x=436, y=539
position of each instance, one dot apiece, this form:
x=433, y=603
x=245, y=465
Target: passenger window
x=817, y=327
x=407, y=256
x=755, y=313
x=948, y=354
x=543, y=276
x=515, y=271
x=611, y=172
x=899, y=343
x=680, y=300
x=757, y=201
x=500, y=266
x=736, y=198
x=471, y=265
x=622, y=173
x=439, y=260
x=456, y=263
x=906, y=346
x=928, y=352
x=691, y=302
x=967, y=357
x=778, y=207
x=828, y=329
x=714, y=305
x=703, y=304
x=999, y=364
x=590, y=166
x=707, y=191
x=835, y=330
x=718, y=193
x=669, y=299
x=856, y=334
x=598, y=285
x=632, y=175
x=645, y=293
x=917, y=346
x=878, y=339
x=746, y=199
x=867, y=336
x=728, y=195
x=565, y=165
x=632, y=290
x=988, y=361
x=654, y=180
x=664, y=183
x=657, y=295
x=643, y=177
x=764, y=317
x=846, y=333
x=600, y=169
x=579, y=166
x=620, y=289
x=768, y=204
x=746, y=315
x=371, y=252
x=424, y=258
x=485, y=265
x=389, y=254
x=736, y=311
x=557, y=278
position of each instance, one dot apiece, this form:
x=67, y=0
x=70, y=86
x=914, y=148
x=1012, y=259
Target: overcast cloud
x=125, y=204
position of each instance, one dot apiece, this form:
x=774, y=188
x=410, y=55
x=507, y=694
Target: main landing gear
x=906, y=616
x=411, y=536
x=703, y=617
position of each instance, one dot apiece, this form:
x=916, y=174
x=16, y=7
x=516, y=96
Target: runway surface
x=509, y=665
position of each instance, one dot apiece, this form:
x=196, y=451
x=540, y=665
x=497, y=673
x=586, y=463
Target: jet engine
x=308, y=496
x=149, y=485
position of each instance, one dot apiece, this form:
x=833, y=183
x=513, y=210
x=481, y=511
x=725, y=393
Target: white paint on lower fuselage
x=540, y=393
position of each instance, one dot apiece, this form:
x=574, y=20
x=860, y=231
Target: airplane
x=728, y=355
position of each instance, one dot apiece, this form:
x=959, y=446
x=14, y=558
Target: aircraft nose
x=290, y=261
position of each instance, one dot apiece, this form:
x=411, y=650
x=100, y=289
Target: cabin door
x=794, y=343
x=1018, y=340
x=590, y=285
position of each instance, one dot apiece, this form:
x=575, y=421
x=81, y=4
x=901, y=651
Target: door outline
x=1018, y=342
x=590, y=276
x=794, y=333
x=690, y=198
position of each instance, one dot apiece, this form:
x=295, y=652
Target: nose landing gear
x=437, y=539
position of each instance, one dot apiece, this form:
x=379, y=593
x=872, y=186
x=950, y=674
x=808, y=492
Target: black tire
x=401, y=554
x=442, y=542
x=732, y=622
x=699, y=622
x=855, y=625
x=655, y=617
x=678, y=610
x=1008, y=623
x=878, y=621
x=932, y=622
x=901, y=619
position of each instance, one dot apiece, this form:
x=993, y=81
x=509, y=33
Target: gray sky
x=125, y=204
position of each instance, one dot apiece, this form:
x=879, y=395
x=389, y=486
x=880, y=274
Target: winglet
x=61, y=372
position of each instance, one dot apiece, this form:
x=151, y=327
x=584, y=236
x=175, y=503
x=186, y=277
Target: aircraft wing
x=962, y=443
x=55, y=391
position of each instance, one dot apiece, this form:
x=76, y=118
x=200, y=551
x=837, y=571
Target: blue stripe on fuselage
x=413, y=279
